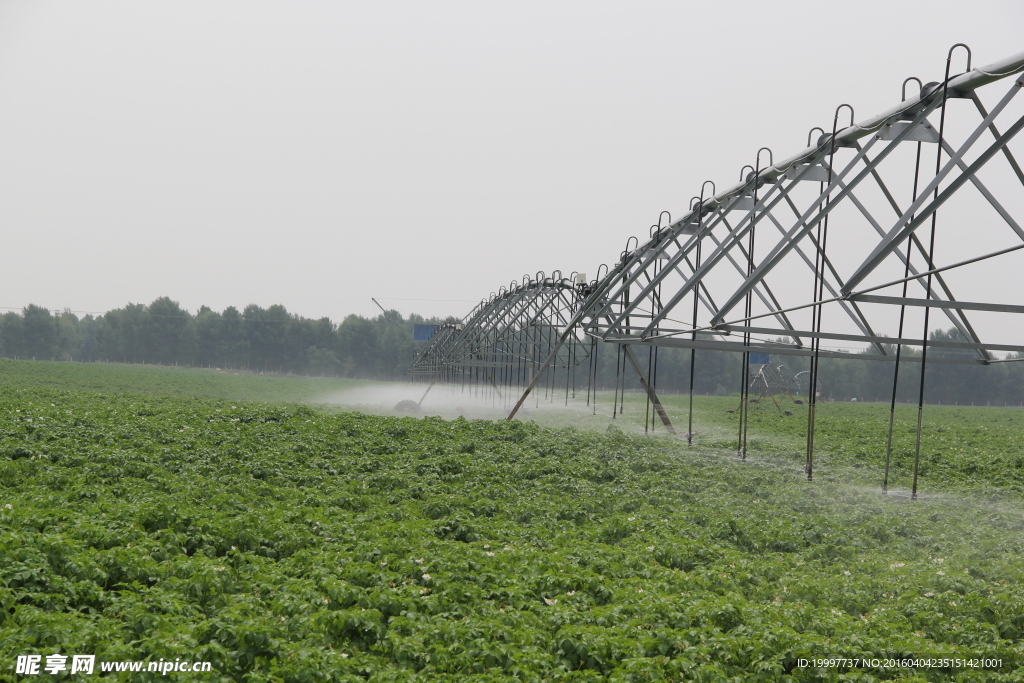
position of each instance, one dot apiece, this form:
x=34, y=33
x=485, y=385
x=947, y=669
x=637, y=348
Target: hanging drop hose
x=615, y=395
x=903, y=311
x=590, y=371
x=819, y=294
x=741, y=439
x=622, y=390
x=747, y=337
x=699, y=236
x=647, y=403
x=931, y=264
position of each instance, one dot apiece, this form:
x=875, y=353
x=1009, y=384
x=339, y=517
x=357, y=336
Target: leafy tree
x=358, y=340
x=69, y=337
x=163, y=335
x=209, y=327
x=322, y=362
x=12, y=327
x=39, y=332
x=233, y=347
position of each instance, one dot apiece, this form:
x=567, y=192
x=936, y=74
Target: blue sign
x=759, y=358
x=423, y=332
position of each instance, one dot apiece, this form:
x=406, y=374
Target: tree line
x=255, y=339
x=274, y=340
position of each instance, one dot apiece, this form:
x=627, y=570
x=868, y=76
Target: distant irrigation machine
x=840, y=243
x=507, y=338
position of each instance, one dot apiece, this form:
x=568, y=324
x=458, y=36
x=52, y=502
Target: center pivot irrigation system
x=841, y=242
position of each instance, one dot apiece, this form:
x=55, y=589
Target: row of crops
x=288, y=542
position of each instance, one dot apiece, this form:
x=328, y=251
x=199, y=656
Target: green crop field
x=156, y=513
x=166, y=381
x=967, y=448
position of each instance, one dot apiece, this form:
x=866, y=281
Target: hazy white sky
x=315, y=154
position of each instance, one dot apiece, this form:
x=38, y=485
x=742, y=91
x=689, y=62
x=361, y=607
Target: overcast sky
x=315, y=154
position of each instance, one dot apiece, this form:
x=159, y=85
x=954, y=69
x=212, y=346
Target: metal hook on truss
x=655, y=229
x=627, y=251
x=700, y=200
x=835, y=128
x=713, y=190
x=771, y=160
x=820, y=130
x=664, y=213
x=920, y=86
x=599, y=276
x=835, y=119
x=949, y=57
x=746, y=176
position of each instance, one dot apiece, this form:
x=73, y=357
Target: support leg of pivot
x=420, y=403
x=650, y=390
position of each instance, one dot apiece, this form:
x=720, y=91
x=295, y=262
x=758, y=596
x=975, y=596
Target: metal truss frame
x=776, y=221
x=720, y=277
x=505, y=337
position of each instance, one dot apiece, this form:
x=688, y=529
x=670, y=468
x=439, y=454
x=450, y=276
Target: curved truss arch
x=507, y=337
